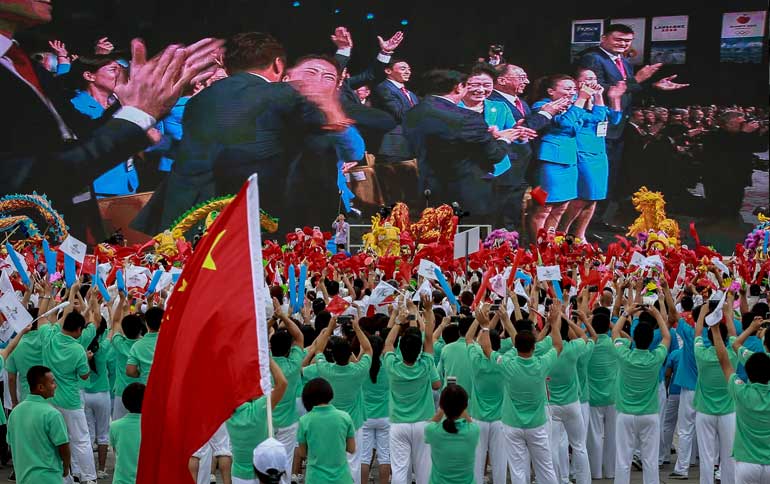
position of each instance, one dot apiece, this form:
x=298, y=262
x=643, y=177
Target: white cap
x=270, y=454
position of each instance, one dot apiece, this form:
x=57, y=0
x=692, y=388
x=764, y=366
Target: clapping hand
x=557, y=107
x=342, y=38
x=59, y=47
x=668, y=84
x=647, y=72
x=617, y=91
x=390, y=45
x=103, y=46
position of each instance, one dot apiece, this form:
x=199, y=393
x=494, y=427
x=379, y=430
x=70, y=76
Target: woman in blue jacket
x=592, y=164
x=556, y=172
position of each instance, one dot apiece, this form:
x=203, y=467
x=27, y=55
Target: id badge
x=601, y=129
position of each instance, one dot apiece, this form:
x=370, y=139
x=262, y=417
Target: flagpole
x=269, y=408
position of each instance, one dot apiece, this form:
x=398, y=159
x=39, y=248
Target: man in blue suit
x=392, y=96
x=611, y=67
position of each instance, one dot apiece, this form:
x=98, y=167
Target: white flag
x=426, y=288
x=519, y=289
x=379, y=293
x=637, y=259
x=716, y=316
x=74, y=248
x=720, y=265
x=549, y=273
x=15, y=312
x=5, y=285
x=426, y=269
x=499, y=282
x=137, y=276
x=654, y=261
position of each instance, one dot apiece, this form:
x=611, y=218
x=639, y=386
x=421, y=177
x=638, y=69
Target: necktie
x=621, y=68
x=408, y=97
x=520, y=106
x=23, y=66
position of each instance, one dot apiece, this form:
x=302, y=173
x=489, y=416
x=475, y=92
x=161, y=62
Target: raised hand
x=556, y=107
x=617, y=91
x=647, y=72
x=59, y=47
x=668, y=84
x=342, y=38
x=103, y=46
x=390, y=45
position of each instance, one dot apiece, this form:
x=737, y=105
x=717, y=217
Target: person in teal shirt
x=525, y=420
x=139, y=362
x=126, y=435
x=637, y=395
x=752, y=410
x=376, y=429
x=454, y=361
x=28, y=353
x=125, y=332
x=450, y=434
x=411, y=379
x=37, y=433
x=325, y=435
x=96, y=394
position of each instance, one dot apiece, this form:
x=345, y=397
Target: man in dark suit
x=248, y=122
x=38, y=149
x=611, y=67
x=454, y=147
x=393, y=97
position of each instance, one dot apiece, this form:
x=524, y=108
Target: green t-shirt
x=142, y=354
x=637, y=383
x=752, y=421
x=455, y=361
x=121, y=347
x=602, y=373
x=28, y=353
x=506, y=345
x=452, y=454
x=285, y=413
x=68, y=362
x=582, y=369
x=438, y=347
x=411, y=395
x=125, y=439
x=711, y=395
x=99, y=380
x=347, y=381
x=35, y=431
x=325, y=431
x=743, y=355
x=247, y=428
x=87, y=335
x=486, y=399
x=525, y=393
x=564, y=385
x=376, y=395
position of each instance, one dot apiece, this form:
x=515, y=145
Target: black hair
x=687, y=303
x=36, y=376
x=437, y=296
x=83, y=64
x=621, y=28
x=601, y=322
x=564, y=329
x=758, y=368
x=410, y=346
x=322, y=320
x=466, y=298
x=252, y=50
x=494, y=339
x=341, y=350
x=541, y=85
x=443, y=81
x=643, y=334
x=647, y=317
x=439, y=313
x=760, y=309
x=318, y=305
x=93, y=346
x=722, y=332
x=332, y=287
x=280, y=343
x=153, y=317
x=451, y=333
x=273, y=476
x=74, y=321
x=453, y=401
x=377, y=345
x=277, y=292
x=321, y=57
x=316, y=392
x=464, y=325
x=393, y=62
x=522, y=325
x=132, y=326
x=133, y=396
x=484, y=69
x=524, y=342
x=308, y=332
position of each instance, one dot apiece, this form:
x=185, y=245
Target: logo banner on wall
x=635, y=55
x=585, y=34
x=743, y=36
x=669, y=39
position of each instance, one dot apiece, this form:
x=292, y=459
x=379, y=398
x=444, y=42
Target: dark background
x=438, y=34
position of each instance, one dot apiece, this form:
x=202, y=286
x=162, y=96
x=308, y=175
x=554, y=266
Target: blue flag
x=17, y=264
x=527, y=280
x=70, y=272
x=102, y=289
x=154, y=281
x=50, y=259
x=445, y=286
x=120, y=281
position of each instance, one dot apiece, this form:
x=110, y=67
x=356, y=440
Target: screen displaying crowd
x=459, y=382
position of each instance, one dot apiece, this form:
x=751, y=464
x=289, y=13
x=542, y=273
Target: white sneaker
x=88, y=482
x=213, y=479
x=102, y=474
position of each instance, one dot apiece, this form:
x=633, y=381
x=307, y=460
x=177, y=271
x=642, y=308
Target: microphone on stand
x=427, y=193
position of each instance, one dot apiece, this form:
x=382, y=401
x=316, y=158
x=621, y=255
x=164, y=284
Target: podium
x=118, y=212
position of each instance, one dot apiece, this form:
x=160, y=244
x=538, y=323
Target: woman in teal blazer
x=556, y=172
x=592, y=164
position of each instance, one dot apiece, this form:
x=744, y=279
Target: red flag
x=89, y=265
x=337, y=305
x=212, y=351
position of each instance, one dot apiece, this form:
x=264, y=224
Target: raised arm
x=752, y=329
x=554, y=319
x=469, y=336
x=298, y=339
x=665, y=334
x=578, y=330
x=279, y=383
x=701, y=318
x=366, y=346
x=724, y=360
x=6, y=352
x=727, y=311
x=430, y=322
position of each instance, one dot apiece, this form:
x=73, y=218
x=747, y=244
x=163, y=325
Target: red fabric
x=23, y=66
x=520, y=106
x=207, y=360
x=89, y=265
x=408, y=97
x=337, y=305
x=539, y=195
x=620, y=66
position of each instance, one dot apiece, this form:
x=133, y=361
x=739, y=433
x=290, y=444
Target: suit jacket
x=454, y=152
x=238, y=126
x=607, y=74
x=532, y=120
x=559, y=143
x=34, y=157
x=388, y=97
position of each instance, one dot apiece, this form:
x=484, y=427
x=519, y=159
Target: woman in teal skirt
x=592, y=164
x=556, y=172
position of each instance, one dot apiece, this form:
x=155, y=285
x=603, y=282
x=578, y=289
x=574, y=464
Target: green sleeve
x=132, y=358
x=302, y=431
x=56, y=428
x=11, y=363
x=433, y=372
x=351, y=430
x=548, y=360
x=83, y=368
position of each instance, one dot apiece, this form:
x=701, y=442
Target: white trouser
x=83, y=465
x=287, y=436
x=716, y=434
x=644, y=429
x=217, y=446
x=569, y=418
x=354, y=459
x=751, y=473
x=685, y=432
x=600, y=442
x=408, y=451
x=118, y=410
x=491, y=440
x=670, y=414
x=238, y=480
x=204, y=455
x=97, y=409
x=376, y=436
x=522, y=443
x=561, y=462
